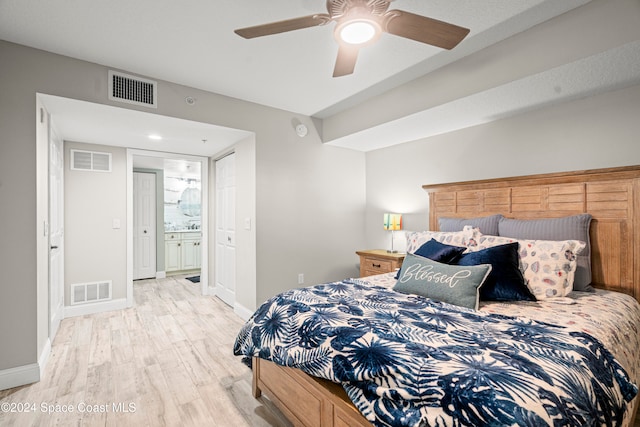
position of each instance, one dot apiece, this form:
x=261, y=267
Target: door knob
x=145, y=231
x=54, y=247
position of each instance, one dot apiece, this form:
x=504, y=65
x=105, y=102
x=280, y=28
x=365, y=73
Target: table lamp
x=393, y=222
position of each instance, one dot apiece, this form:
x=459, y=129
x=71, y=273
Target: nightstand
x=378, y=261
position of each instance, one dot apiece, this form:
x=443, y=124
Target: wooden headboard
x=611, y=196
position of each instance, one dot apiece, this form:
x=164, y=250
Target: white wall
x=94, y=250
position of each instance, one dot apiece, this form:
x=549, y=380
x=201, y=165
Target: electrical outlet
x=300, y=279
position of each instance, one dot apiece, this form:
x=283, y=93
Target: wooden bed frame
x=611, y=196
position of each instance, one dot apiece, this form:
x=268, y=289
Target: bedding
x=440, y=252
x=505, y=282
x=453, y=284
x=548, y=266
x=572, y=227
x=611, y=317
x=486, y=224
x=415, y=239
x=409, y=360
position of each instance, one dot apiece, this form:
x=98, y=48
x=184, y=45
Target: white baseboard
x=161, y=274
x=21, y=375
x=212, y=291
x=242, y=311
x=98, y=307
x=44, y=357
x=56, y=318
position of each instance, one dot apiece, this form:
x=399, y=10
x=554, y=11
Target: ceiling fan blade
x=423, y=29
x=284, y=26
x=346, y=61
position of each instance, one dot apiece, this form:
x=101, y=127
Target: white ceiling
x=82, y=121
x=192, y=43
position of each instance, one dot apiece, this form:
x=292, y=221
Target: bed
x=595, y=331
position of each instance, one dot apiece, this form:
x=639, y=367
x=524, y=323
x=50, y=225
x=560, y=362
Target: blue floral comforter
x=405, y=360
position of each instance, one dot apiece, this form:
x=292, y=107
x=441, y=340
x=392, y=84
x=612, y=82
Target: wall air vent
x=132, y=89
x=90, y=161
x=83, y=293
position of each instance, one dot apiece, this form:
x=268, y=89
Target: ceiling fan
x=360, y=23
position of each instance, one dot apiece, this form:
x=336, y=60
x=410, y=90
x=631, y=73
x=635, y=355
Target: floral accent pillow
x=416, y=239
x=548, y=266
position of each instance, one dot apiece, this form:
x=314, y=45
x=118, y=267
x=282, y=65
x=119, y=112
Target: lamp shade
x=392, y=221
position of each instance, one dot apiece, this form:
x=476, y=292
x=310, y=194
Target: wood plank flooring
x=167, y=361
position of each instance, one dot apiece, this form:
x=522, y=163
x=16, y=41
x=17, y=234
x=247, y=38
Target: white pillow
x=415, y=239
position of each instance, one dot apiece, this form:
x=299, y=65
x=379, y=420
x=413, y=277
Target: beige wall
x=94, y=250
x=306, y=220
x=595, y=132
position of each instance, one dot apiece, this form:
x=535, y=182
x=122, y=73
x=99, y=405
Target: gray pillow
x=575, y=227
x=452, y=284
x=486, y=224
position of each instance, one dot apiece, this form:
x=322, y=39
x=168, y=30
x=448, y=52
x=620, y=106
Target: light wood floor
x=167, y=361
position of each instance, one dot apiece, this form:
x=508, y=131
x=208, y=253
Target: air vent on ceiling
x=132, y=89
x=90, y=161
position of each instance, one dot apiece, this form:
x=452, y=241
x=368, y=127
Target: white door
x=56, y=232
x=144, y=225
x=226, y=229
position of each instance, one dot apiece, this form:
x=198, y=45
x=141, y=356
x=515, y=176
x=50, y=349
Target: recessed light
x=155, y=137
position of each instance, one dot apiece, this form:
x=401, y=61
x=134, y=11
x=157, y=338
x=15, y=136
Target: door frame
x=56, y=308
x=204, y=222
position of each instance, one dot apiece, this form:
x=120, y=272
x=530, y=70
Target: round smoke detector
x=301, y=130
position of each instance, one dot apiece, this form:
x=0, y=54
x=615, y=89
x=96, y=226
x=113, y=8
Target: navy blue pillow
x=505, y=282
x=438, y=252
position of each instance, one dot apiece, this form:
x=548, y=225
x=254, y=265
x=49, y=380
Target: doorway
x=148, y=159
x=95, y=123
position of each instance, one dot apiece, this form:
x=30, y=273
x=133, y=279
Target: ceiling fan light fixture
x=360, y=23
x=358, y=32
